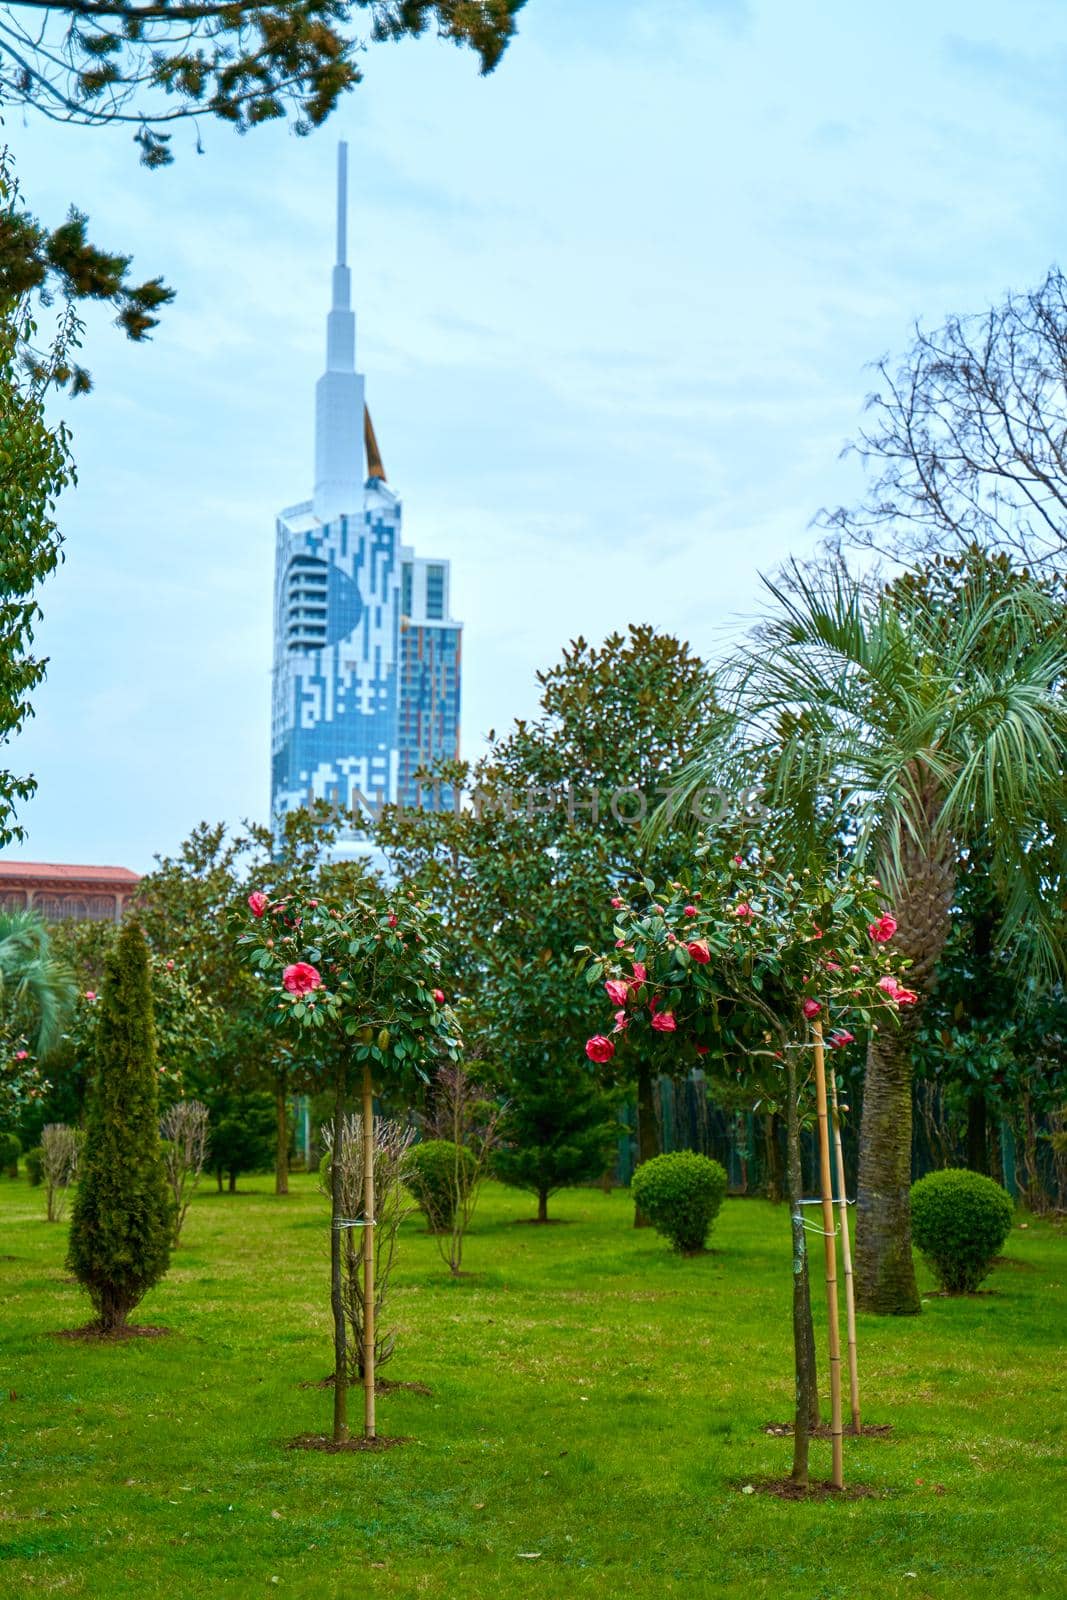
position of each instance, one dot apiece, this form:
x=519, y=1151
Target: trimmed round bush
x=430, y=1174
x=33, y=1161
x=680, y=1194
x=960, y=1220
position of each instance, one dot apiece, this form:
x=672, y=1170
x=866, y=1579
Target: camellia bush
x=360, y=982
x=737, y=967
x=960, y=1221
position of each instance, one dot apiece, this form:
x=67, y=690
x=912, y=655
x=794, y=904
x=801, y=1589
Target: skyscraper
x=367, y=655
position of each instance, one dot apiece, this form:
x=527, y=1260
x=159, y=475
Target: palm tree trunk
x=885, y=1272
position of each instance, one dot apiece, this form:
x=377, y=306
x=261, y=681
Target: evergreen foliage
x=960, y=1220
x=557, y=1131
x=121, y=1224
x=680, y=1194
x=430, y=1173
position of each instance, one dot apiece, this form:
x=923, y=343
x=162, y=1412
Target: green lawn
x=597, y=1404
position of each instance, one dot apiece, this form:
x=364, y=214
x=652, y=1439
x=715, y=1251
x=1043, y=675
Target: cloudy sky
x=616, y=304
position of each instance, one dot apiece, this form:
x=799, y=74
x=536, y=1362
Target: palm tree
x=912, y=720
x=37, y=989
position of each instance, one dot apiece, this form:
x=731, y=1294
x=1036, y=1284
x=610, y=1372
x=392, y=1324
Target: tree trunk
x=977, y=1133
x=340, y=1354
x=775, y=1183
x=542, y=1205
x=368, y=1255
x=806, y=1412
x=281, y=1148
x=233, y=1183
x=885, y=1272
x=647, y=1134
x=218, y=1178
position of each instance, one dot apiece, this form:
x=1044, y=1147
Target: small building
x=61, y=893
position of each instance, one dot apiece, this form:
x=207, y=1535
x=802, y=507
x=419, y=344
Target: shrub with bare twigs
x=184, y=1131
x=393, y=1202
x=464, y=1115
x=60, y=1149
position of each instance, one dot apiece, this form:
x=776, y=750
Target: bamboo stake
x=368, y=1255
x=846, y=1260
x=830, y=1242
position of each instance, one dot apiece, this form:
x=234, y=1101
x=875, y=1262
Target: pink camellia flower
x=905, y=997
x=616, y=903
x=301, y=978
x=391, y=919
x=640, y=974
x=699, y=952
x=884, y=929
x=170, y=966
x=439, y=997
x=620, y=944
x=599, y=1049
x=889, y=984
x=22, y=1055
x=690, y=911
x=258, y=903
x=663, y=1022
x=744, y=912
x=839, y=1040
x=737, y=861
x=702, y=1049
x=811, y=1008
x=832, y=966
x=621, y=1022
x=617, y=991
x=657, y=911
x=90, y=994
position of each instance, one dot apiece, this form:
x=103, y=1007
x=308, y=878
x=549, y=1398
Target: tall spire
x=339, y=392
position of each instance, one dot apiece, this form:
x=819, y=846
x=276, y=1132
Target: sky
x=617, y=305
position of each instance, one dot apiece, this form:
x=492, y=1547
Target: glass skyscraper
x=367, y=655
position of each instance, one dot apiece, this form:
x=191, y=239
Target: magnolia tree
x=360, y=983
x=746, y=965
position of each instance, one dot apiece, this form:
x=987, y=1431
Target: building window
x=405, y=589
x=435, y=593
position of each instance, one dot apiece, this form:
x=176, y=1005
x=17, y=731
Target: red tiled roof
x=52, y=869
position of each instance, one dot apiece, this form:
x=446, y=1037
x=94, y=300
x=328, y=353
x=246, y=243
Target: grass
x=597, y=1409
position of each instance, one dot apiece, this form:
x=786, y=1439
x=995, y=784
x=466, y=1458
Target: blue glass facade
x=367, y=658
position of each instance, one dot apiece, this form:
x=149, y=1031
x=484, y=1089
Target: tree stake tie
x=354, y=1222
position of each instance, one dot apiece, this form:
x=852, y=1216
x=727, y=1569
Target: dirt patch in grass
x=960, y=1294
x=538, y=1222
x=381, y=1386
x=786, y=1489
x=331, y=1447
x=869, y=1430
x=92, y=1333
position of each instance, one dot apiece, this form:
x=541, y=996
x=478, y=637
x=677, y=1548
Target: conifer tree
x=121, y=1225
x=558, y=1130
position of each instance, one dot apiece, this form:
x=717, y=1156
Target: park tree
x=915, y=718
x=555, y=812
x=743, y=962
x=120, y=1228
x=559, y=1132
x=965, y=439
x=357, y=983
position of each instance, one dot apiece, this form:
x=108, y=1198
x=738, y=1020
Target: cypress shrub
x=10, y=1150
x=680, y=1194
x=120, y=1227
x=960, y=1220
x=33, y=1161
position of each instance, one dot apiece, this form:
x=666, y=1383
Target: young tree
x=468, y=1121
x=555, y=1133
x=184, y=1130
x=358, y=984
x=740, y=962
x=121, y=1224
